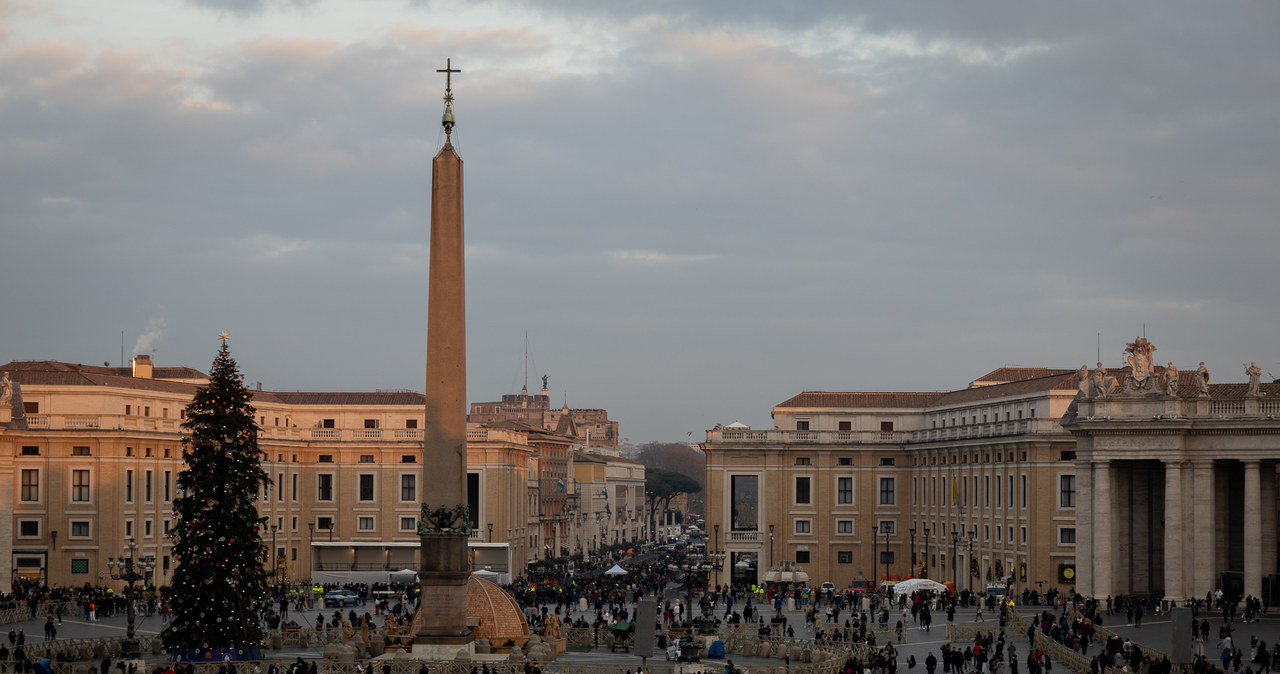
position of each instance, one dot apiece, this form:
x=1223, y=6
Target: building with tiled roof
x=89, y=457
x=981, y=484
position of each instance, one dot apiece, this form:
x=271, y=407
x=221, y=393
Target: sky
x=693, y=210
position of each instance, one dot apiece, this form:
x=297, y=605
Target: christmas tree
x=220, y=577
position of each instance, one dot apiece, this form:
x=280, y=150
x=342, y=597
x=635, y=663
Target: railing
x=820, y=437
x=744, y=537
x=24, y=613
x=988, y=430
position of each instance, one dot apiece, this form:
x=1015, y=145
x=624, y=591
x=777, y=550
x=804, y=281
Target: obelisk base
x=442, y=612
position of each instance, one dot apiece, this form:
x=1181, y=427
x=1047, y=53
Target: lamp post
x=925, y=563
x=331, y=523
x=886, y=553
x=875, y=552
x=770, y=546
x=311, y=549
x=716, y=547
x=490, y=539
x=955, y=561
x=973, y=534
x=689, y=568
x=912, y=568
x=130, y=570
x=275, y=562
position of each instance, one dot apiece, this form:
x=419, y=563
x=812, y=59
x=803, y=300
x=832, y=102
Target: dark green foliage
x=220, y=576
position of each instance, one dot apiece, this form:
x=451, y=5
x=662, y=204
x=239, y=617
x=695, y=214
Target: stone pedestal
x=442, y=611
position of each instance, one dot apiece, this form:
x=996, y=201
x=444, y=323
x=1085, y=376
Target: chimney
x=142, y=366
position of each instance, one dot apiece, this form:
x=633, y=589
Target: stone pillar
x=1173, y=532
x=1268, y=519
x=442, y=622
x=1204, y=533
x=1084, y=531
x=1103, y=543
x=1252, y=530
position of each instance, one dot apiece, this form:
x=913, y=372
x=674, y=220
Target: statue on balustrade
x=6, y=390
x=1171, y=380
x=1141, y=365
x=1202, y=380
x=1255, y=378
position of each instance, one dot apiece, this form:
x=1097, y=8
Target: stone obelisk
x=441, y=624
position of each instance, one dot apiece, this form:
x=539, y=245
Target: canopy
x=786, y=572
x=616, y=571
x=918, y=584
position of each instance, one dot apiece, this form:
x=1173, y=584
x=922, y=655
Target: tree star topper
x=224, y=337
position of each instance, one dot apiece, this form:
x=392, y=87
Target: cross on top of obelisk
x=447, y=120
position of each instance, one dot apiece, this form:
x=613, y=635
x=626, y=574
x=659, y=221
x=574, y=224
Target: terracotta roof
x=858, y=399
x=58, y=366
x=1061, y=380
x=1004, y=375
x=342, y=398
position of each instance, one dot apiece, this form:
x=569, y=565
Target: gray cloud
x=697, y=226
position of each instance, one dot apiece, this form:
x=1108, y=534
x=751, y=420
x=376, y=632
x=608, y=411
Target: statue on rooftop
x=6, y=390
x=1141, y=365
x=1202, y=380
x=1084, y=382
x=1255, y=378
x=1171, y=380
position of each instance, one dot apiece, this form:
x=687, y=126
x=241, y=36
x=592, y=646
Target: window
x=279, y=486
x=410, y=423
x=802, y=491
x=997, y=491
x=408, y=487
x=294, y=487
x=31, y=408
x=802, y=424
x=844, y=526
x=370, y=423
x=804, y=526
x=324, y=523
x=1024, y=535
x=146, y=528
x=366, y=487
x=887, y=527
x=844, y=425
x=845, y=461
x=327, y=423
x=168, y=485
x=79, y=566
x=408, y=524
x=1067, y=535
x=1067, y=491
x=30, y=484
x=802, y=461
x=80, y=529
x=886, y=426
x=886, y=491
x=844, y=557
x=1023, y=502
x=325, y=458
x=409, y=458
x=28, y=450
x=29, y=528
x=844, y=490
x=128, y=528
x=366, y=458
x=80, y=486
x=745, y=498
x=364, y=524
x=79, y=451
x=324, y=487
x=886, y=557
x=886, y=461
x=147, y=487
x=802, y=556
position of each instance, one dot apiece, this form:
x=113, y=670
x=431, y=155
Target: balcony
x=780, y=437
x=744, y=537
x=128, y=422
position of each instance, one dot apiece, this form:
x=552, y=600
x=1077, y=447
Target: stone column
x=1268, y=519
x=1173, y=532
x=1204, y=534
x=1084, y=530
x=1103, y=543
x=1252, y=530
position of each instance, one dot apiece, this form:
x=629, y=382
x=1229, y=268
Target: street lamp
x=925, y=563
x=886, y=553
x=715, y=546
x=955, y=561
x=689, y=567
x=275, y=562
x=875, y=551
x=770, y=546
x=490, y=533
x=973, y=534
x=331, y=523
x=130, y=569
x=912, y=568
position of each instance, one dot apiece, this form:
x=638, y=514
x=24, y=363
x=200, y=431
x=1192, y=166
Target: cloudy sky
x=694, y=210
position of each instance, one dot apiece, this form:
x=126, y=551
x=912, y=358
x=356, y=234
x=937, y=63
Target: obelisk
x=441, y=624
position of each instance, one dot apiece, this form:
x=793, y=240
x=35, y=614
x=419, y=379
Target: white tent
x=786, y=572
x=616, y=571
x=917, y=584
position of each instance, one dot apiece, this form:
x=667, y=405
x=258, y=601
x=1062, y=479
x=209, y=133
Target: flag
x=560, y=484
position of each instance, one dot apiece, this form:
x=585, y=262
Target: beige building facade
x=971, y=486
x=89, y=458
